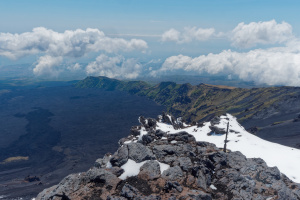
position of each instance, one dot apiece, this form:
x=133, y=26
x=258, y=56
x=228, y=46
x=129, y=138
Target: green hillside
x=197, y=103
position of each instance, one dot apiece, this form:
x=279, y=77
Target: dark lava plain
x=56, y=131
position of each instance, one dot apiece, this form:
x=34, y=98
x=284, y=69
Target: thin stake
x=225, y=141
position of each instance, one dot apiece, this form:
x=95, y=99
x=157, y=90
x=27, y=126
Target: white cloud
x=112, y=67
x=48, y=65
x=189, y=34
x=56, y=46
x=171, y=35
x=74, y=67
x=273, y=66
x=268, y=32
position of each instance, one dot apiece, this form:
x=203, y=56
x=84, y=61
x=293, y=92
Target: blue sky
x=141, y=16
x=147, y=21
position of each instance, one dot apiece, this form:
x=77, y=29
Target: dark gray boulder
x=150, y=170
x=139, y=152
x=184, y=162
x=120, y=157
x=173, y=174
x=173, y=185
x=181, y=136
x=129, y=191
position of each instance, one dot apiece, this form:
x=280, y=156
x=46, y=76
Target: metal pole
x=225, y=141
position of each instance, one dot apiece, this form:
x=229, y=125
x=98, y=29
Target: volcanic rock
x=175, y=166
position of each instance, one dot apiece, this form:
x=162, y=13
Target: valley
x=50, y=132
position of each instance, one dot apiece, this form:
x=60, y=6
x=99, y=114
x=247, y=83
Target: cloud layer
x=254, y=33
x=242, y=36
x=56, y=46
x=189, y=34
x=273, y=66
x=113, y=67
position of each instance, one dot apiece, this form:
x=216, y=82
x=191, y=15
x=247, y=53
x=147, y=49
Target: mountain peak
x=165, y=158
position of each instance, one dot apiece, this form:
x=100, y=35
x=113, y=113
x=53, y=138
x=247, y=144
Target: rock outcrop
x=174, y=166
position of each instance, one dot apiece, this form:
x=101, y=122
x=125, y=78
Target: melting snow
x=285, y=158
x=142, y=132
x=213, y=187
x=132, y=168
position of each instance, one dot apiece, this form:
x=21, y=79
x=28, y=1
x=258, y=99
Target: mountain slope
x=198, y=102
x=167, y=159
x=272, y=113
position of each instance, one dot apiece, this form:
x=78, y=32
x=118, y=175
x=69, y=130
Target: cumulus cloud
x=268, y=32
x=112, y=67
x=48, y=65
x=56, y=46
x=189, y=34
x=273, y=66
x=74, y=67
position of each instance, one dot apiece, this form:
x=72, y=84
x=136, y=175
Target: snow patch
x=132, y=168
x=285, y=158
x=108, y=165
x=163, y=166
x=170, y=118
x=213, y=187
x=142, y=132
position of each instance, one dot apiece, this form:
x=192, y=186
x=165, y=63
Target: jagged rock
x=164, y=150
x=102, y=162
x=197, y=170
x=169, y=119
x=147, y=123
x=197, y=195
x=214, y=121
x=135, y=130
x=115, y=198
x=151, y=122
x=120, y=157
x=173, y=185
x=159, y=133
x=116, y=171
x=138, y=152
x=150, y=170
x=101, y=177
x=151, y=197
x=129, y=191
x=173, y=174
x=146, y=139
x=253, y=130
x=216, y=130
x=181, y=136
x=184, y=162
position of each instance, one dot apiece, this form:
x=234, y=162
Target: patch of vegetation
x=14, y=159
x=276, y=123
x=199, y=102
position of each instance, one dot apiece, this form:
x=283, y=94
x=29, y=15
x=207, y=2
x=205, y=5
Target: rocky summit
x=152, y=163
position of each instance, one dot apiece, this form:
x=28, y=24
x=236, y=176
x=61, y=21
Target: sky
x=254, y=40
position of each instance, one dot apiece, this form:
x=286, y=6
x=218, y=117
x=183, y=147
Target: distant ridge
x=204, y=101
